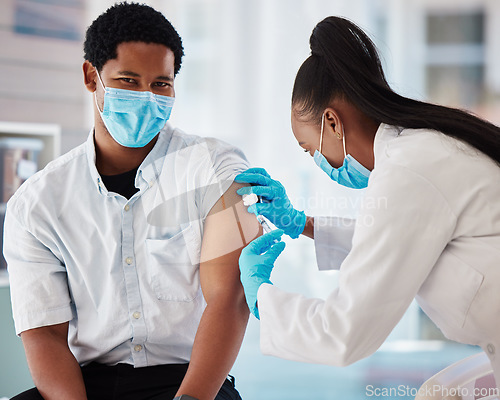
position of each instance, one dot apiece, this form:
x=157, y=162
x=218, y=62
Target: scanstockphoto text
x=430, y=391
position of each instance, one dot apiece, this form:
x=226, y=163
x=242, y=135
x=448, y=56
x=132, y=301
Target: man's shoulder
x=53, y=175
x=215, y=147
x=183, y=139
x=73, y=157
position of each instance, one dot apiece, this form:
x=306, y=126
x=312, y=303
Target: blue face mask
x=134, y=118
x=351, y=174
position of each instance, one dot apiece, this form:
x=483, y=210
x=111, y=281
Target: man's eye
x=162, y=84
x=128, y=80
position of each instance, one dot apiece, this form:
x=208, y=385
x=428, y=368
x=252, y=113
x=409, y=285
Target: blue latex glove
x=256, y=263
x=277, y=207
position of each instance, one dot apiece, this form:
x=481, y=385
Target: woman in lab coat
x=429, y=227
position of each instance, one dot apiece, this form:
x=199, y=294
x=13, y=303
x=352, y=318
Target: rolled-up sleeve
x=38, y=280
x=332, y=240
x=222, y=166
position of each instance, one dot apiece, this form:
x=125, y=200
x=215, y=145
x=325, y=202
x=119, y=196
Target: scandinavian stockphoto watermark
x=341, y=203
x=366, y=209
x=431, y=391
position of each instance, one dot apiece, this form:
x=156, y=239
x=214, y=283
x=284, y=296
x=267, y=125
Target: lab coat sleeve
x=332, y=240
x=38, y=280
x=396, y=243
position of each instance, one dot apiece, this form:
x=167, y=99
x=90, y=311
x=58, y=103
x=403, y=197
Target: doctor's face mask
x=134, y=118
x=351, y=174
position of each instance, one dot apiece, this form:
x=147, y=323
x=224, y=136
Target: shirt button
x=128, y=260
x=137, y=347
x=136, y=315
x=127, y=207
x=490, y=348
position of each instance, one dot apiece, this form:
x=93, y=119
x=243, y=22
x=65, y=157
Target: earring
x=339, y=135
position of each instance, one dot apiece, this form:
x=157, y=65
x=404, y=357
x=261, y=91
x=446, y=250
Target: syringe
x=252, y=199
x=263, y=222
x=265, y=226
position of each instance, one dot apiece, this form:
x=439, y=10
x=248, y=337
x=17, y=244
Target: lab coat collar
x=148, y=171
x=384, y=134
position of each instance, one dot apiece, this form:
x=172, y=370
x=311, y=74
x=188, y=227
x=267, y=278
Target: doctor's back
x=460, y=292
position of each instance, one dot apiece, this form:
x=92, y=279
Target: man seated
x=123, y=253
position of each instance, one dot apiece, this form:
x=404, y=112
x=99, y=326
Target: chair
x=468, y=379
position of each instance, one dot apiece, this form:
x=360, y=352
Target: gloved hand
x=277, y=207
x=256, y=263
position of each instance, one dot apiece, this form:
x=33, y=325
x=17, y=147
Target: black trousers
x=124, y=382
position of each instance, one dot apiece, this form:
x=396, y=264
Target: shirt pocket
x=173, y=265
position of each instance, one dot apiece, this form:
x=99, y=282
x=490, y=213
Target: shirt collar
x=149, y=170
x=90, y=149
x=151, y=167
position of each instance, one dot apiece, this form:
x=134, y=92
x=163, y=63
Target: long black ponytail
x=344, y=64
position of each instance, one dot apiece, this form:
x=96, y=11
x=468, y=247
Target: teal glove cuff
x=251, y=297
x=295, y=229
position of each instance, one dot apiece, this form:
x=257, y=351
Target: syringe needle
x=265, y=226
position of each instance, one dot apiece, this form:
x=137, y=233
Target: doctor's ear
x=89, y=76
x=333, y=125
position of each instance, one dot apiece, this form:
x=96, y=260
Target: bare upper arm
x=228, y=228
x=52, y=332
x=38, y=341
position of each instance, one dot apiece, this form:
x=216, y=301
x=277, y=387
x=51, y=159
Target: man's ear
x=89, y=76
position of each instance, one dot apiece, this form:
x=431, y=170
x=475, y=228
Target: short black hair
x=129, y=22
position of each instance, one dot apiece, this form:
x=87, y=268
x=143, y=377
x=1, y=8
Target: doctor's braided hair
x=129, y=22
x=344, y=64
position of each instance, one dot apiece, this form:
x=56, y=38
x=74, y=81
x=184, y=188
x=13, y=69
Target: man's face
x=139, y=66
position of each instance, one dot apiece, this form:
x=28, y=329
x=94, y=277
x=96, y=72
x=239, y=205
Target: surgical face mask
x=134, y=118
x=351, y=174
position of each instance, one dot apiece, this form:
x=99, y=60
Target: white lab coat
x=429, y=228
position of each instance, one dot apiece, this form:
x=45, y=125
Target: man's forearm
x=53, y=367
x=216, y=346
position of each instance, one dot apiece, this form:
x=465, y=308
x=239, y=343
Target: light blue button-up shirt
x=125, y=273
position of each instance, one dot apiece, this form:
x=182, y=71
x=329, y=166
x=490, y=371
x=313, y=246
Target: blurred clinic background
x=235, y=84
